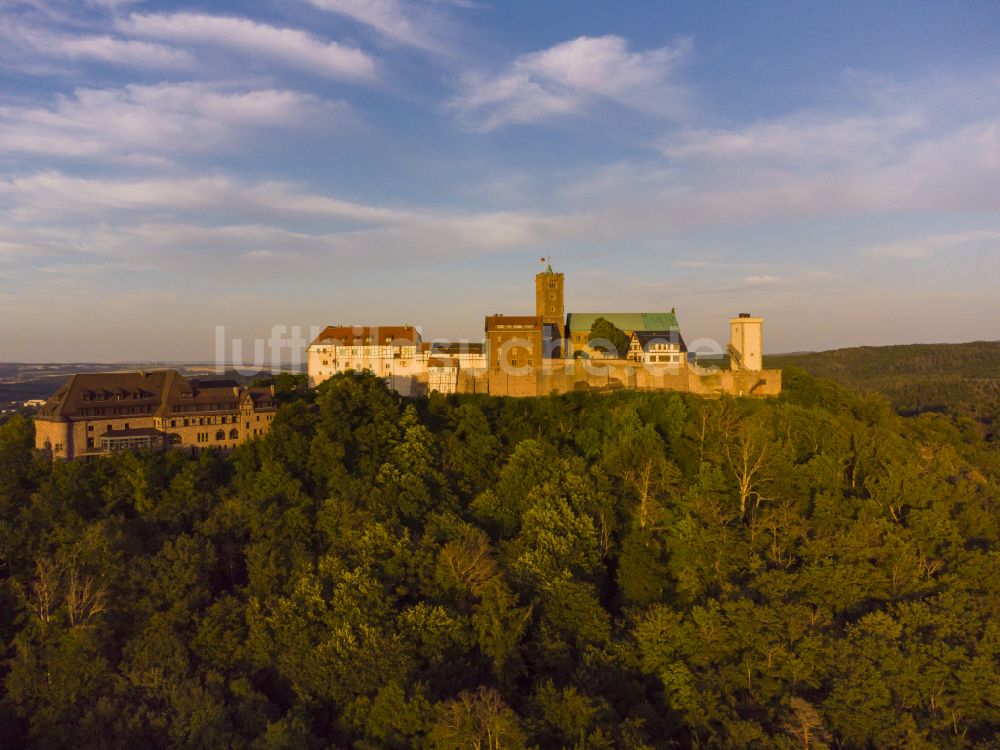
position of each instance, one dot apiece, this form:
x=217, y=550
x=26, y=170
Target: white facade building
x=746, y=342
x=658, y=348
x=395, y=353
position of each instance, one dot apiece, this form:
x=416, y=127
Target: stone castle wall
x=569, y=375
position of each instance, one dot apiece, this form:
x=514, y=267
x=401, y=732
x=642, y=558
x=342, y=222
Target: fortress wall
x=503, y=383
x=473, y=381
x=569, y=375
x=410, y=385
x=735, y=382
x=609, y=374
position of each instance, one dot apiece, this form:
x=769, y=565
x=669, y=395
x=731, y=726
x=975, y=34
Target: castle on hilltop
x=548, y=352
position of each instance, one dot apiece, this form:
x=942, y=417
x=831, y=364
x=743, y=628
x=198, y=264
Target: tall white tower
x=746, y=342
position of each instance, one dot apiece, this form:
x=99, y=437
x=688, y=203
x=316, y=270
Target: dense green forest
x=960, y=379
x=624, y=570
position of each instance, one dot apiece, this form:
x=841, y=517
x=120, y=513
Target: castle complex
x=522, y=355
x=548, y=352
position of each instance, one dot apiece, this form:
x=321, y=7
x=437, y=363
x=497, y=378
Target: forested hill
x=626, y=570
x=952, y=378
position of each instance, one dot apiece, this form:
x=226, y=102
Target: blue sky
x=166, y=168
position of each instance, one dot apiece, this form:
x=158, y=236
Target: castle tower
x=549, y=299
x=746, y=342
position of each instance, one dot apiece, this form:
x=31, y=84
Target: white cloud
x=803, y=137
x=129, y=52
x=35, y=41
x=173, y=117
x=925, y=247
x=290, y=46
x=761, y=280
x=572, y=77
x=393, y=20
x=251, y=217
x=26, y=46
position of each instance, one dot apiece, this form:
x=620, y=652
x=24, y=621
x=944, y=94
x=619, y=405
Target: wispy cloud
x=130, y=52
x=165, y=117
x=205, y=213
x=27, y=42
x=399, y=22
x=802, y=139
x=573, y=77
x=761, y=280
x=925, y=247
x=292, y=47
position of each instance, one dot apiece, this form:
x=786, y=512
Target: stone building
x=100, y=413
x=515, y=351
x=746, y=342
x=396, y=353
x=658, y=348
x=548, y=352
x=389, y=351
x=578, y=326
x=550, y=302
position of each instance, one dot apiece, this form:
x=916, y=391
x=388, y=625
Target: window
x=59, y=447
x=234, y=434
x=90, y=428
x=220, y=435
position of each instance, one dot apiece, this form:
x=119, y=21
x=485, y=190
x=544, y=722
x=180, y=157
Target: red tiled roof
x=369, y=335
x=498, y=322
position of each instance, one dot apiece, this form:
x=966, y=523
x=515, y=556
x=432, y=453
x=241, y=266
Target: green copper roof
x=661, y=321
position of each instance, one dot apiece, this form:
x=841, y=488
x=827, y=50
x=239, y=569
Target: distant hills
x=950, y=378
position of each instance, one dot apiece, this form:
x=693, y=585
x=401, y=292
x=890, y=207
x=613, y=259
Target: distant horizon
x=271, y=365
x=167, y=169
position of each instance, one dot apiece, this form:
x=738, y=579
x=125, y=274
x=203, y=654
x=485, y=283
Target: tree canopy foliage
x=606, y=337
x=958, y=379
x=626, y=570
